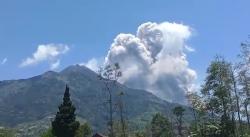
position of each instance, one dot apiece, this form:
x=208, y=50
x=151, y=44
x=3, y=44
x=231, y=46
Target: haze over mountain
x=37, y=98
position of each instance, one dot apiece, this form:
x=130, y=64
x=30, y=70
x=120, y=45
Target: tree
x=123, y=123
x=244, y=76
x=84, y=131
x=235, y=100
x=217, y=92
x=65, y=124
x=199, y=114
x=48, y=133
x=109, y=75
x=139, y=134
x=160, y=126
x=179, y=112
x=4, y=132
x=236, y=94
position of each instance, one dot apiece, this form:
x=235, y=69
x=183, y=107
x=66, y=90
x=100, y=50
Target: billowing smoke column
x=154, y=59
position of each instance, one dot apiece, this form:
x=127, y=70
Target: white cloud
x=190, y=49
x=154, y=59
x=55, y=65
x=4, y=61
x=47, y=52
x=93, y=64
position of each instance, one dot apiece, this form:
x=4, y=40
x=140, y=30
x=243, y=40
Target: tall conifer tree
x=65, y=124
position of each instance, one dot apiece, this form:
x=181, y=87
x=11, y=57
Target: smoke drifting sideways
x=155, y=60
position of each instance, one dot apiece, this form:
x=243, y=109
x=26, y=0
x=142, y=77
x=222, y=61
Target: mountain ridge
x=33, y=99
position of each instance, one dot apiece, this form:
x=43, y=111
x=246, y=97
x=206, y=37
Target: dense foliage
x=65, y=124
x=84, y=131
x=160, y=126
x=6, y=132
x=221, y=108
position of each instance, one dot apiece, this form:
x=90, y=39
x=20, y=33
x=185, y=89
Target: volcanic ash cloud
x=155, y=60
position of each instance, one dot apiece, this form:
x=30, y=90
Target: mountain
x=25, y=102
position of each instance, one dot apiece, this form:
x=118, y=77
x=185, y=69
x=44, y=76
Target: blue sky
x=88, y=27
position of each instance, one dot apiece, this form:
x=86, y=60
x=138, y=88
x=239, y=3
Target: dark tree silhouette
x=65, y=124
